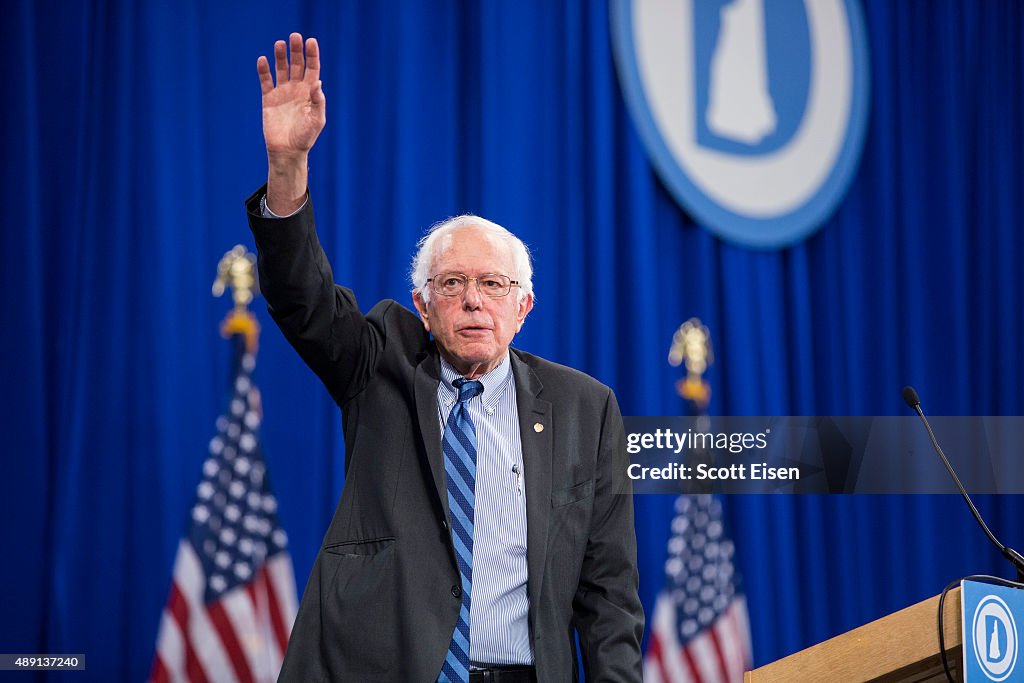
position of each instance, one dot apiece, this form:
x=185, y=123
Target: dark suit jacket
x=380, y=603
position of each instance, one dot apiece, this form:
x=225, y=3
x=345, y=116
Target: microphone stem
x=1010, y=554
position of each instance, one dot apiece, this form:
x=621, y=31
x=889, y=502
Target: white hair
x=423, y=261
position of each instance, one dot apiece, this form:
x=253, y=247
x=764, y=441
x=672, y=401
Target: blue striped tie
x=459, y=446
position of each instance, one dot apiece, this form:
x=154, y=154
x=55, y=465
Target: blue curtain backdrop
x=131, y=135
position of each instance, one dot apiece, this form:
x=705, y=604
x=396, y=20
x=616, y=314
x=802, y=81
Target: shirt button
x=444, y=524
x=456, y=592
x=490, y=411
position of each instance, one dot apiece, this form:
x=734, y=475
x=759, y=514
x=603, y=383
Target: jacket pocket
x=359, y=600
x=561, y=497
x=365, y=548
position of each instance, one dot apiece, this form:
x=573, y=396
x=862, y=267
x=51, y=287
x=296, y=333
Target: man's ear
x=525, y=306
x=421, y=307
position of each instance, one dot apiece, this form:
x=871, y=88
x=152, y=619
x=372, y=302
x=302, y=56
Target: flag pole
x=232, y=600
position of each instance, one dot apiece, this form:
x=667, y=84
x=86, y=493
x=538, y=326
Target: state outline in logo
x=784, y=194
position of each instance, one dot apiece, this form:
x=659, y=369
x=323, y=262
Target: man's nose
x=472, y=299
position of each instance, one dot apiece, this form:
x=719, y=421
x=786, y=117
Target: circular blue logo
x=753, y=112
x=994, y=638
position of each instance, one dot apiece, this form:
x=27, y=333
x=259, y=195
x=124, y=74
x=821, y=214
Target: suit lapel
x=535, y=431
x=428, y=374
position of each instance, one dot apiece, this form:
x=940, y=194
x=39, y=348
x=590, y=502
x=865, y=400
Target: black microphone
x=1015, y=558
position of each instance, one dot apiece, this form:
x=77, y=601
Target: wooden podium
x=903, y=646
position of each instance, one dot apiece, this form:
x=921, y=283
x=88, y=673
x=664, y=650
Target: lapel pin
x=538, y=427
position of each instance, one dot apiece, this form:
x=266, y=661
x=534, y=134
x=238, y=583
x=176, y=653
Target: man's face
x=473, y=330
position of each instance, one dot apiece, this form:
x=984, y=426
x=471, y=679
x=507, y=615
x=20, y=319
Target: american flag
x=700, y=631
x=232, y=599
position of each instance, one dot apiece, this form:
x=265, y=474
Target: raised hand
x=294, y=113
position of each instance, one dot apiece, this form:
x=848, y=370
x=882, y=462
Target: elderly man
x=484, y=520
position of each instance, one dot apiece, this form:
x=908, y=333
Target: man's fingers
x=312, y=61
x=263, y=69
x=292, y=63
x=281, y=61
x=298, y=63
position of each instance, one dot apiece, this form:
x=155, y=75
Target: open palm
x=294, y=111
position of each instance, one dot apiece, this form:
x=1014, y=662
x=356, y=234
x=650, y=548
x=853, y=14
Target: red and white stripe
x=240, y=638
x=718, y=654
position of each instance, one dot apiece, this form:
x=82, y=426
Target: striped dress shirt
x=499, y=630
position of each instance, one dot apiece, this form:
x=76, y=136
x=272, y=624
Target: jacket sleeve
x=320, y=319
x=608, y=615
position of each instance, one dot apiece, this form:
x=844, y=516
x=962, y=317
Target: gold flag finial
x=691, y=346
x=237, y=270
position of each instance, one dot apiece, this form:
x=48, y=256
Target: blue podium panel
x=991, y=615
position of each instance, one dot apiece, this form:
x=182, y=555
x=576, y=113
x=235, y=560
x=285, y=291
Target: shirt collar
x=494, y=381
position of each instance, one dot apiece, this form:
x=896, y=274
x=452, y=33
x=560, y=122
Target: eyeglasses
x=490, y=284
